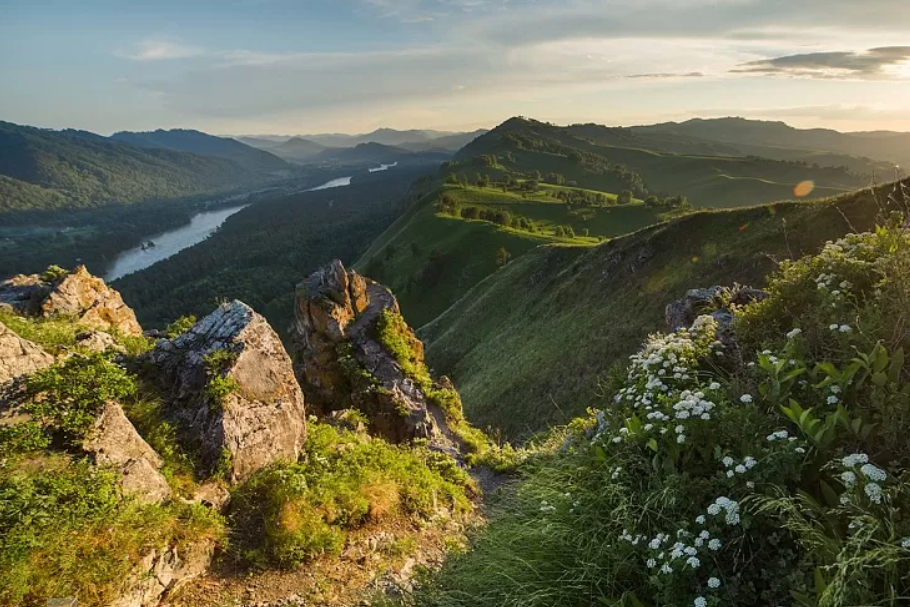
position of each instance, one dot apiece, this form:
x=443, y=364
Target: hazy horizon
x=351, y=66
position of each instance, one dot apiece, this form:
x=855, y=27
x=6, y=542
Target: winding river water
x=172, y=242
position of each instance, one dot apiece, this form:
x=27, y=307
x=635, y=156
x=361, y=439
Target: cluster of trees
x=583, y=198
x=565, y=232
x=671, y=203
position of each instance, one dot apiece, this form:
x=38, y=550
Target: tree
x=625, y=197
x=652, y=202
x=483, y=181
x=503, y=256
x=452, y=179
x=555, y=179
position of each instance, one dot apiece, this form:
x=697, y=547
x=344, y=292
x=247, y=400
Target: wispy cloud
x=161, y=49
x=665, y=75
x=869, y=64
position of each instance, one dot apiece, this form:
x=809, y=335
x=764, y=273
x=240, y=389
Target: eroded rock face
x=113, y=441
x=78, y=294
x=261, y=418
x=160, y=573
x=341, y=365
x=19, y=357
x=715, y=301
x=98, y=341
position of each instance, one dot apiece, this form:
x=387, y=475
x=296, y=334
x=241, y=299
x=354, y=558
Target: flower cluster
x=733, y=467
x=663, y=394
x=869, y=477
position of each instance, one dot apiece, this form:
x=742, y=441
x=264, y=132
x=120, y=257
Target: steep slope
x=882, y=145
x=46, y=169
x=528, y=345
x=183, y=140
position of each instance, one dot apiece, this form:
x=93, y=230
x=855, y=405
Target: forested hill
x=184, y=140
x=262, y=252
x=612, y=159
x=43, y=169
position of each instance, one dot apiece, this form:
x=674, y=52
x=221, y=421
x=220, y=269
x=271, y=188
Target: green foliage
x=53, y=274
x=180, y=326
x=397, y=338
x=66, y=530
x=147, y=415
x=288, y=513
x=66, y=397
x=26, y=437
x=219, y=385
x=53, y=334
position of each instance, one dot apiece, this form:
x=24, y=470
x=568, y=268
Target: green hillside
x=609, y=159
x=196, y=142
x=45, y=170
x=528, y=346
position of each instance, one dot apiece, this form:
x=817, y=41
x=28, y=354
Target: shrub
x=54, y=273
x=395, y=336
x=289, y=513
x=66, y=530
x=180, y=326
x=219, y=385
x=66, y=397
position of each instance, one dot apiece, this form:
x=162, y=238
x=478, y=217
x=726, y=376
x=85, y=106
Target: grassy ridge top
x=528, y=345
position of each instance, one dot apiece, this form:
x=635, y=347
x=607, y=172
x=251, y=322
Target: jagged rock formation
x=19, y=357
x=715, y=301
x=113, y=441
x=341, y=364
x=78, y=295
x=258, y=417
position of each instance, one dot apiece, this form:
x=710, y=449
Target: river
x=170, y=243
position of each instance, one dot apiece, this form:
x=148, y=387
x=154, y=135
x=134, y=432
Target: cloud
x=161, y=49
x=664, y=75
x=870, y=64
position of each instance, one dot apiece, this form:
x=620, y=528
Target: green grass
x=528, y=345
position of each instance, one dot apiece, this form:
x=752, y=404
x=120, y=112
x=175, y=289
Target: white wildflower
x=713, y=583
x=794, y=333
x=745, y=399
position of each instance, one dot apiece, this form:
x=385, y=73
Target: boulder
x=98, y=341
x=259, y=417
x=341, y=365
x=113, y=441
x=160, y=573
x=718, y=302
x=19, y=357
x=79, y=295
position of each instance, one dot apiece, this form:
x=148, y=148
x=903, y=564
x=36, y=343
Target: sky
x=350, y=66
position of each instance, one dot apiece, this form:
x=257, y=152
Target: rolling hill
x=251, y=159
x=44, y=170
x=298, y=149
x=765, y=136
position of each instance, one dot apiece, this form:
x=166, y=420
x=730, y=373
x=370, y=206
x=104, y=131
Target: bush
x=219, y=385
x=67, y=397
x=54, y=273
x=287, y=514
x=180, y=326
x=397, y=338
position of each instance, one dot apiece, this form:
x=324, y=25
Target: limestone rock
x=161, y=573
x=113, y=441
x=715, y=301
x=78, y=294
x=97, y=341
x=341, y=365
x=258, y=422
x=19, y=357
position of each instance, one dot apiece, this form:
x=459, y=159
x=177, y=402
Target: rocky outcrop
x=19, y=357
x=79, y=295
x=233, y=391
x=161, y=573
x=98, y=341
x=715, y=301
x=113, y=441
x=341, y=364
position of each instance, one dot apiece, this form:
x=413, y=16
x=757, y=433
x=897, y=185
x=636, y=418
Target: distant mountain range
x=412, y=140
x=250, y=158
